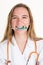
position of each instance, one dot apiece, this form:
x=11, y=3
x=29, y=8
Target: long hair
x=9, y=32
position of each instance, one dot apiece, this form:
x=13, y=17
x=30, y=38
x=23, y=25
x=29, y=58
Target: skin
x=20, y=18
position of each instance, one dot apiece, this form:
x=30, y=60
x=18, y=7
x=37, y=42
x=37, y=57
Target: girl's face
x=20, y=18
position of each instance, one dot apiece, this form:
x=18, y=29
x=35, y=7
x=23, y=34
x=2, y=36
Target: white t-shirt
x=15, y=55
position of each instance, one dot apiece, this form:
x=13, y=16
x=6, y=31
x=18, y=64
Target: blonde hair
x=9, y=32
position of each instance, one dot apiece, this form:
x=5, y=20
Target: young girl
x=20, y=45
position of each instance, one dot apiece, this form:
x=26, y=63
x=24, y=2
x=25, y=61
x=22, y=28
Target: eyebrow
x=25, y=15
x=22, y=15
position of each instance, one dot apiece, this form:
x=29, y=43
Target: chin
x=20, y=31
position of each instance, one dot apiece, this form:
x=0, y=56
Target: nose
x=19, y=21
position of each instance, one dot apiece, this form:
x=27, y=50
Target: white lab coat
x=15, y=55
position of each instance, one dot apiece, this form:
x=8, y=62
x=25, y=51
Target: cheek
x=13, y=23
x=27, y=22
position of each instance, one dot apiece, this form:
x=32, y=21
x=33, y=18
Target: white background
x=36, y=7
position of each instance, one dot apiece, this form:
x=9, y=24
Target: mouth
x=21, y=28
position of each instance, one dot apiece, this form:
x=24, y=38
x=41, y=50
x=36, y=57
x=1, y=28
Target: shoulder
x=3, y=47
x=39, y=44
x=2, y=44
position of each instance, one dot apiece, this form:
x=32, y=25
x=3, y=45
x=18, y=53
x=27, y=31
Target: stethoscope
x=33, y=52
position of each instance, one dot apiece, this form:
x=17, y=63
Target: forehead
x=20, y=10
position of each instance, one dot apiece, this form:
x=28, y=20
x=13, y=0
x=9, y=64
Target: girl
x=20, y=45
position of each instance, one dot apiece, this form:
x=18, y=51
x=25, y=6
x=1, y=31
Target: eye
x=24, y=17
x=14, y=17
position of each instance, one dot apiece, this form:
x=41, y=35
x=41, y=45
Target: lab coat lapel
x=29, y=48
x=18, y=57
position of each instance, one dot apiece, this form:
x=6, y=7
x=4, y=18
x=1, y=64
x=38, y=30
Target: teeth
x=21, y=28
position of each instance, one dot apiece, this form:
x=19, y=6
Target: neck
x=21, y=38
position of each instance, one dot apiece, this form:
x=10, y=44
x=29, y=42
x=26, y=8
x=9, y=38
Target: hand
x=37, y=63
